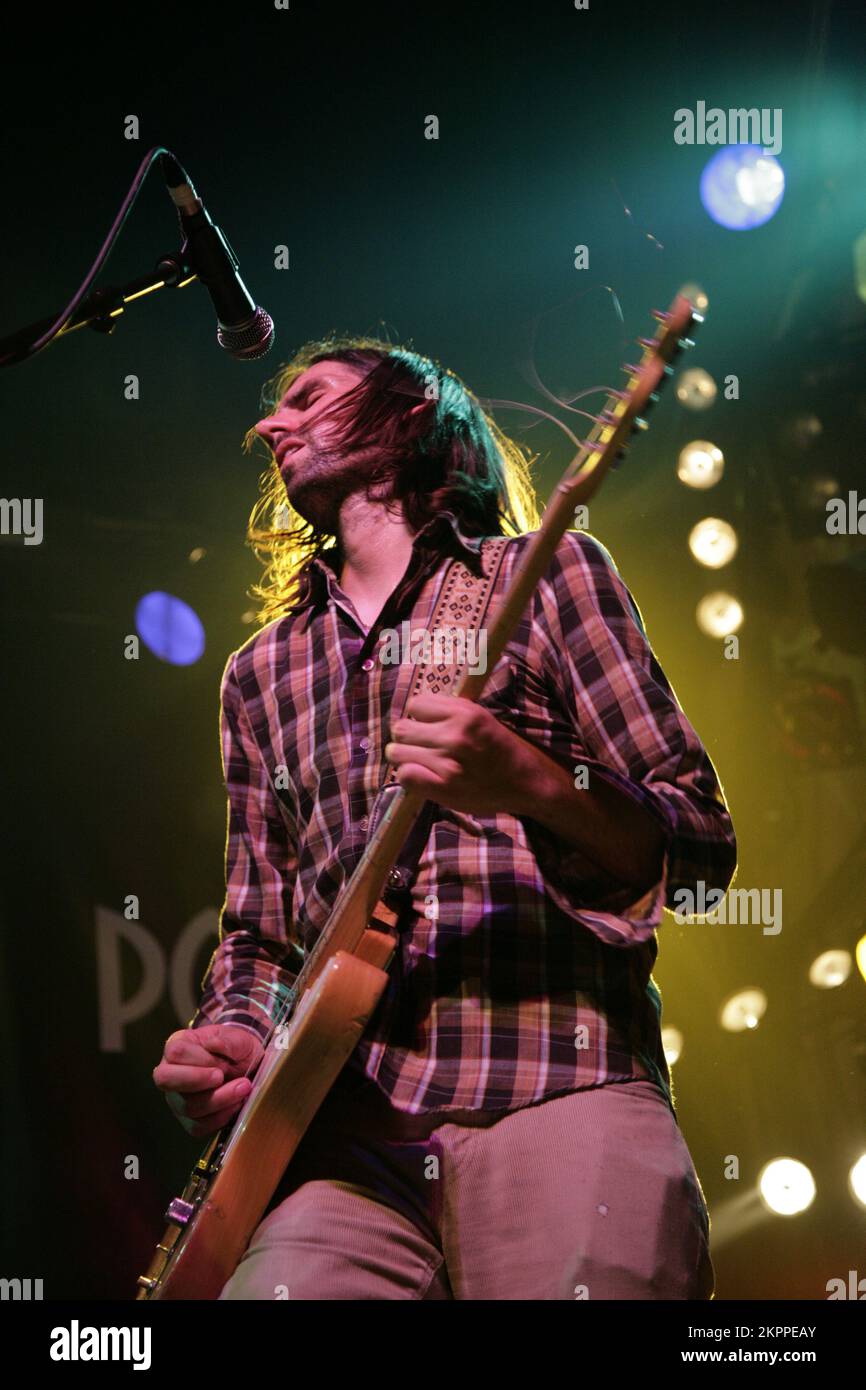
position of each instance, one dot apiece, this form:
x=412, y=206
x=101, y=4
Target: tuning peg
x=647, y=342
x=629, y=368
x=639, y=423
x=660, y=315
x=685, y=343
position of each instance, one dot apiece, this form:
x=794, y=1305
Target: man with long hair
x=505, y=1129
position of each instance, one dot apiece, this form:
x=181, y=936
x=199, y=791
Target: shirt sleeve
x=633, y=732
x=256, y=962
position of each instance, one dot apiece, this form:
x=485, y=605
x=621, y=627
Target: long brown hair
x=452, y=456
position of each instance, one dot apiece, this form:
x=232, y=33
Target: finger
x=188, y=1050
x=168, y=1076
x=420, y=779
x=200, y=1129
x=421, y=735
x=199, y=1107
x=432, y=708
x=399, y=754
x=227, y=1040
x=211, y=1103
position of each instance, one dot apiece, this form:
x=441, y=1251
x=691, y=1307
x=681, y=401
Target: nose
x=272, y=430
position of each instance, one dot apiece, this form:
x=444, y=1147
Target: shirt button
x=364, y=822
x=368, y=664
x=395, y=878
x=365, y=744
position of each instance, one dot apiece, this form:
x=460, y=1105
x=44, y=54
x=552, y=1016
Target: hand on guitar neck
x=205, y=1074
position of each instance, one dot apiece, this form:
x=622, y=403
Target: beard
x=320, y=483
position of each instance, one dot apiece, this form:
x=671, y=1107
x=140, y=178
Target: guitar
x=344, y=975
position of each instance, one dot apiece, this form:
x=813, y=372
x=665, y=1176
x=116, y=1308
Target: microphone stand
x=102, y=309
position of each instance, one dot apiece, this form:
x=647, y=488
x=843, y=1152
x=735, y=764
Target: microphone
x=244, y=329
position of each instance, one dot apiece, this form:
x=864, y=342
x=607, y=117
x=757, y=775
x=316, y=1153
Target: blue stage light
x=741, y=187
x=169, y=628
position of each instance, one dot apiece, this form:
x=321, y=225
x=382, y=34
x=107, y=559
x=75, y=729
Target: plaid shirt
x=531, y=976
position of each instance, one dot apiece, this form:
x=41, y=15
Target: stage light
x=860, y=956
x=696, y=389
x=696, y=295
x=713, y=542
x=169, y=628
x=672, y=1045
x=830, y=969
x=801, y=431
x=197, y=554
x=743, y=1010
x=719, y=614
x=859, y=249
x=857, y=1180
x=741, y=187
x=786, y=1186
x=700, y=464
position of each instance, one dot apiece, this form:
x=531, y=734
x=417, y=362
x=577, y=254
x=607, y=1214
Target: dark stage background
x=305, y=128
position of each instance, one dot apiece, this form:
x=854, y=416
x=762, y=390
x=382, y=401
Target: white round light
x=719, y=614
x=700, y=464
x=743, y=1010
x=672, y=1044
x=696, y=295
x=696, y=389
x=786, y=1186
x=761, y=183
x=830, y=969
x=857, y=1180
x=713, y=542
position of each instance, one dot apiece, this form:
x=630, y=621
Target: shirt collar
x=433, y=537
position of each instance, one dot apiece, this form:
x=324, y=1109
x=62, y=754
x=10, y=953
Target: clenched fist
x=205, y=1073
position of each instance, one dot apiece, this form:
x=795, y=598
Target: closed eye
x=303, y=397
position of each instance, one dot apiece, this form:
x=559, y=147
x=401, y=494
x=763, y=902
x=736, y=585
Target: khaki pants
x=588, y=1195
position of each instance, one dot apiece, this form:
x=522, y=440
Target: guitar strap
x=462, y=605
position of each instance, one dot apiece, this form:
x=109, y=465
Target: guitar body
x=230, y=1188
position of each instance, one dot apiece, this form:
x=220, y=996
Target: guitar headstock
x=625, y=411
